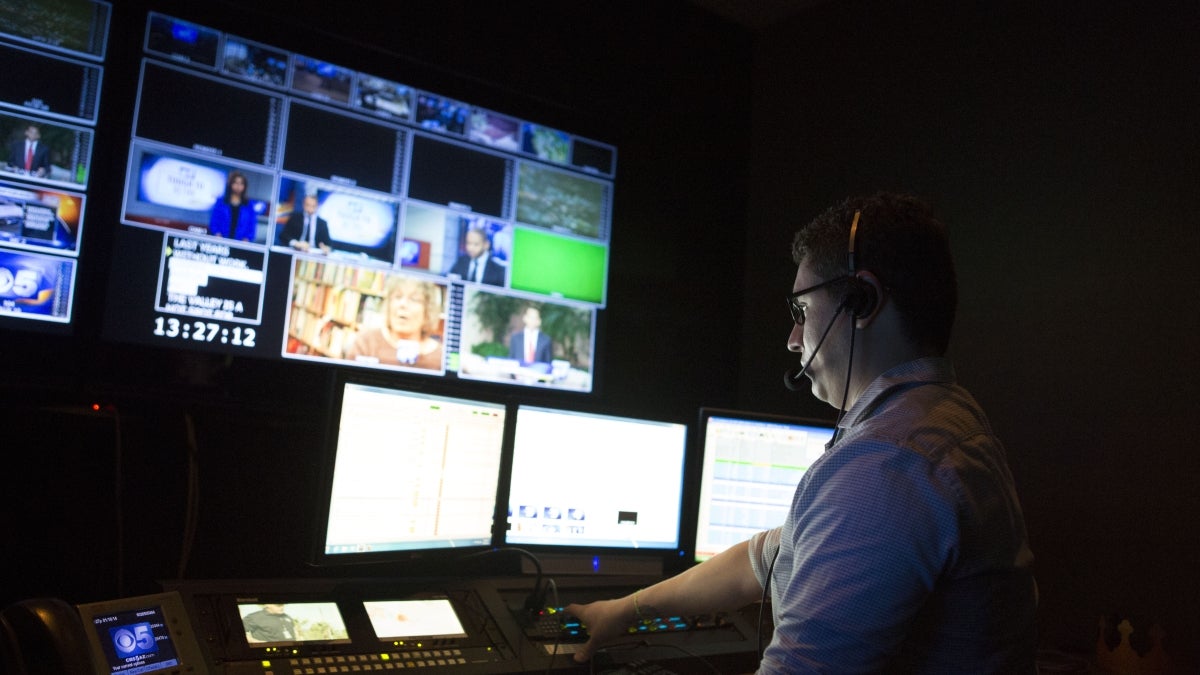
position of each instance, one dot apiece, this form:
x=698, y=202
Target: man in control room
x=904, y=549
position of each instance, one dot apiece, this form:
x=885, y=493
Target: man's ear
x=868, y=298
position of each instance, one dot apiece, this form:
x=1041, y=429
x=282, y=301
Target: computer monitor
x=750, y=466
x=408, y=473
x=595, y=481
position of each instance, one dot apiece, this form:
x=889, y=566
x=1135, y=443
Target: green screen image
x=558, y=266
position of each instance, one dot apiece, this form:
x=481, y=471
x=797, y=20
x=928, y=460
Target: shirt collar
x=929, y=369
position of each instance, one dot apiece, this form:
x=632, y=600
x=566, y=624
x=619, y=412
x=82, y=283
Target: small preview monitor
x=750, y=466
x=409, y=472
x=581, y=479
x=415, y=618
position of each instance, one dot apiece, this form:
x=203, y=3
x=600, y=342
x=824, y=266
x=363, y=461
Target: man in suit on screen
x=29, y=155
x=304, y=228
x=478, y=264
x=531, y=345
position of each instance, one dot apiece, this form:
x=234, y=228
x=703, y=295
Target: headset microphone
x=792, y=378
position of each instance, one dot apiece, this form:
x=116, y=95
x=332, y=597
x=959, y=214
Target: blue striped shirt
x=905, y=547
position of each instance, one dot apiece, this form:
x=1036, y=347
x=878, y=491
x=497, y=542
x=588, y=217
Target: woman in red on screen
x=233, y=211
x=410, y=335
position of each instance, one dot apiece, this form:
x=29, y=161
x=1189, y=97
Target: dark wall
x=1059, y=141
x=666, y=84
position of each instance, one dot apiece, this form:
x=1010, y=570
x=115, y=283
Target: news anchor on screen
x=29, y=154
x=530, y=345
x=232, y=214
x=304, y=228
x=478, y=265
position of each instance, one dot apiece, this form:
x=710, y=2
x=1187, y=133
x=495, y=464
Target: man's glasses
x=797, y=308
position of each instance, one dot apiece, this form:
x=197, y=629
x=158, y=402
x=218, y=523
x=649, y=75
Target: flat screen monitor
x=410, y=473
x=750, y=466
x=53, y=53
x=295, y=202
x=586, y=480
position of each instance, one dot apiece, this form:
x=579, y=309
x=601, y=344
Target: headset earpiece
x=860, y=298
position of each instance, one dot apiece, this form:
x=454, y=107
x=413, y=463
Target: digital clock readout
x=204, y=331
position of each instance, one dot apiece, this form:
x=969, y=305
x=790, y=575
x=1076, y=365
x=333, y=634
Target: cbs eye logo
x=133, y=640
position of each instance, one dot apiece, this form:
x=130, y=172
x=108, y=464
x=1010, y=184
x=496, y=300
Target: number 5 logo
x=145, y=637
x=133, y=640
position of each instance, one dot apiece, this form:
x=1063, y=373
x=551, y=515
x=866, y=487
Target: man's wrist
x=642, y=612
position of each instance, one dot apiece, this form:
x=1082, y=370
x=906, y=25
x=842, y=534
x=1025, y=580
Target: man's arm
x=725, y=582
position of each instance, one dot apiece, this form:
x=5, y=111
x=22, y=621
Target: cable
x=536, y=600
x=837, y=429
x=762, y=604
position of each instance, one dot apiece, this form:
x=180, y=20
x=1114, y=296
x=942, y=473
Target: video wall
x=53, y=59
x=279, y=205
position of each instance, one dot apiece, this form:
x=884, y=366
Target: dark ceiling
x=757, y=14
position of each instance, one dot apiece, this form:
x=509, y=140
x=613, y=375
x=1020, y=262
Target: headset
x=861, y=297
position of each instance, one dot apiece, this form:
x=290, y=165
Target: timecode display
x=204, y=331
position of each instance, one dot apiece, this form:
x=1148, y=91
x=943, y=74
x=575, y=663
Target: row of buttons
x=354, y=663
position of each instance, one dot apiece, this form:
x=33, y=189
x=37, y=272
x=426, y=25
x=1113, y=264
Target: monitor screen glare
x=405, y=619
